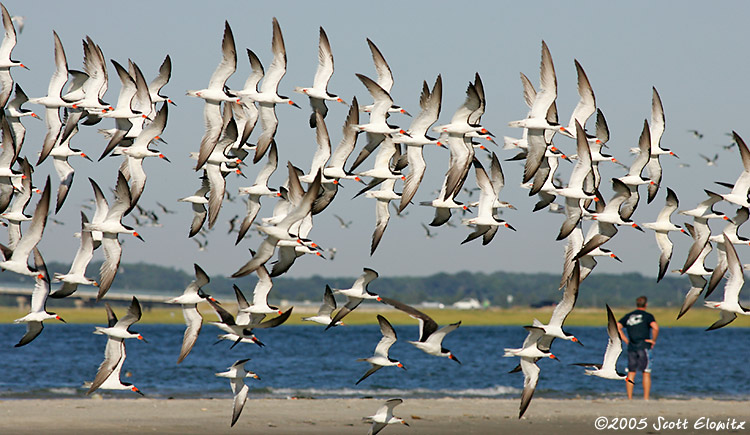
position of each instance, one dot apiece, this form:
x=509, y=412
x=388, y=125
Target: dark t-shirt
x=637, y=324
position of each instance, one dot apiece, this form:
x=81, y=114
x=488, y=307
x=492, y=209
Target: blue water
x=305, y=361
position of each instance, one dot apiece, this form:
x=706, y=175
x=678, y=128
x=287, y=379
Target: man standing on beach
x=642, y=332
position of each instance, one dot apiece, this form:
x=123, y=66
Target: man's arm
x=654, y=333
x=623, y=337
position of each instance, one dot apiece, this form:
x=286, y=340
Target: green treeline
x=524, y=289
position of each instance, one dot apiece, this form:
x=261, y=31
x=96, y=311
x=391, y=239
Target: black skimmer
x=380, y=359
x=236, y=375
x=608, y=218
x=732, y=231
x=53, y=101
x=586, y=262
x=281, y=230
x=335, y=168
x=121, y=328
x=633, y=178
x=586, y=104
x=89, y=103
x=354, y=295
x=77, y=274
x=134, y=107
x=384, y=416
x=698, y=271
x=554, y=328
x=486, y=224
x=383, y=196
x=530, y=380
x=532, y=346
x=38, y=312
x=430, y=103
x=385, y=78
x=16, y=260
x=108, y=222
x=9, y=42
x=326, y=309
x=730, y=306
x=260, y=295
x=430, y=336
x=537, y=118
x=108, y=374
x=14, y=112
x=701, y=215
x=661, y=228
x=740, y=188
x=259, y=189
x=267, y=96
x=64, y=170
x=198, y=201
x=608, y=368
x=113, y=382
x=318, y=93
x=383, y=102
x=154, y=88
x=138, y=150
x=189, y=299
x=240, y=330
x=215, y=94
x=15, y=214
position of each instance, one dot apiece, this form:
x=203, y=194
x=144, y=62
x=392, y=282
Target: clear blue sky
x=692, y=52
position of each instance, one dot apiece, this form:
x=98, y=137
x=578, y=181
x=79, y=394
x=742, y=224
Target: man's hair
x=641, y=302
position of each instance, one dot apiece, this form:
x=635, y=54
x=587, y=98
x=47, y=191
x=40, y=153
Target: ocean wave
x=41, y=393
x=65, y=391
x=497, y=391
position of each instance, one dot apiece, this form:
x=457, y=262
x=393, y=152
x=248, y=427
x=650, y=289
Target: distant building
x=467, y=304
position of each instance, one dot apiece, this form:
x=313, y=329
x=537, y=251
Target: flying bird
x=381, y=359
x=354, y=295
x=38, y=313
x=318, y=93
x=730, y=306
x=189, y=299
x=384, y=416
x=77, y=274
x=608, y=368
x=114, y=352
x=430, y=336
x=237, y=374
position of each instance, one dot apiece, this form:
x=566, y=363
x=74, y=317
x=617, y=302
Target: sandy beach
x=343, y=416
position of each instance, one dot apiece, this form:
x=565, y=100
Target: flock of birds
x=231, y=115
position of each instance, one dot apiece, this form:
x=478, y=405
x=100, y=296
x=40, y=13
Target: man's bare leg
x=629, y=385
x=646, y=385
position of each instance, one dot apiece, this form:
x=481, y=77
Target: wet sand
x=343, y=416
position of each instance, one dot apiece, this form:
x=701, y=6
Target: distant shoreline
x=666, y=317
